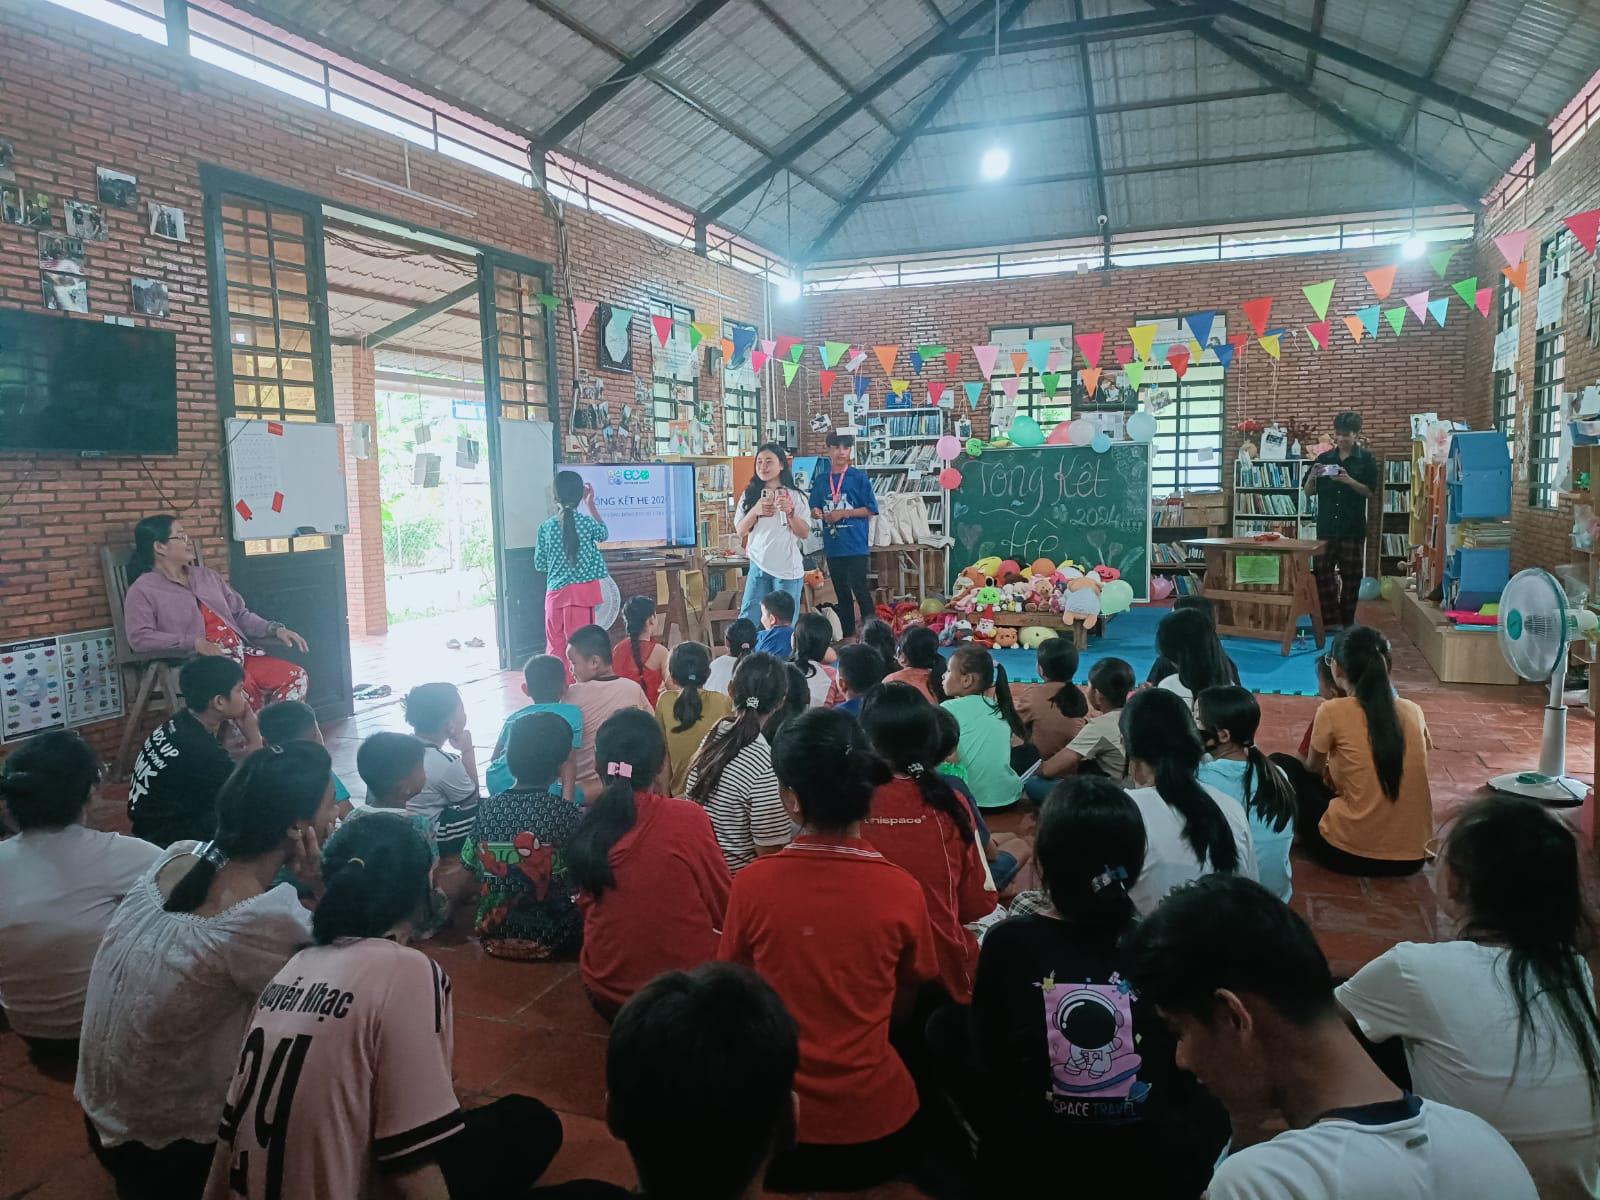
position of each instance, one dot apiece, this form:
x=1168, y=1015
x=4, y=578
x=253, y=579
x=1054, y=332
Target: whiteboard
x=284, y=478
x=527, y=475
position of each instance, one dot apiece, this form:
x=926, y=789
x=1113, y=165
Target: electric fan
x=1537, y=624
x=610, y=602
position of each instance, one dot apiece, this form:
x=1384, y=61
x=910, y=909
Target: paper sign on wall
x=1257, y=569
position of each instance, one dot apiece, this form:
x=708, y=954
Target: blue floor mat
x=1132, y=636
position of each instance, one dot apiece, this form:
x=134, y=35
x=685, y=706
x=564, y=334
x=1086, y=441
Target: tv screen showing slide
x=645, y=506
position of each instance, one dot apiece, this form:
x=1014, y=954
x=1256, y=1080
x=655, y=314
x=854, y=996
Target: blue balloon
x=1101, y=443
x=1371, y=589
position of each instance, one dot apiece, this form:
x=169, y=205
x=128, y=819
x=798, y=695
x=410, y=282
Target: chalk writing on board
x=255, y=464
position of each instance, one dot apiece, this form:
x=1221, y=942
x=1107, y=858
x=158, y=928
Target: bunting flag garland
x=1224, y=355
x=1019, y=362
x=1438, y=308
x=1518, y=275
x=1196, y=351
x=582, y=310
x=1256, y=312
x=986, y=356
x=1319, y=294
x=1439, y=260
x=727, y=349
x=695, y=336
x=1158, y=352
x=1143, y=337
x=1466, y=288
x=1382, y=281
x=1482, y=300
x=1369, y=318
x=1319, y=331
x=1239, y=341
x=1051, y=381
x=550, y=301
x=827, y=378
x=1512, y=246
x=886, y=356
x=789, y=368
x=831, y=352
x=1585, y=227
x=1357, y=329
x=744, y=337
x=769, y=347
x=1178, y=357
x=1417, y=302
x=1200, y=326
x=1090, y=345
x=862, y=383
x=1135, y=372
x=786, y=343
x=1396, y=317
x=856, y=359
x=1123, y=355
x=916, y=361
x=1009, y=387
x=1058, y=361
x=936, y=392
x=758, y=359
x=796, y=351
x=952, y=362
x=974, y=391
x=1269, y=343
x=1090, y=378
x=899, y=386
x=1038, y=354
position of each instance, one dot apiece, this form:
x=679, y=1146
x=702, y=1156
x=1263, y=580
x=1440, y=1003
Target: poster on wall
x=31, y=698
x=1552, y=302
x=614, y=330
x=116, y=189
x=91, y=680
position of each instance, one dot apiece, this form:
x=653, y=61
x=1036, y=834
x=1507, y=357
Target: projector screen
x=644, y=505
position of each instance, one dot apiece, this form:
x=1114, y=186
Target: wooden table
x=1262, y=610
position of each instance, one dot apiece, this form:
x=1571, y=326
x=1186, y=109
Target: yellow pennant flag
x=1270, y=344
x=1196, y=350
x=1142, y=337
x=899, y=386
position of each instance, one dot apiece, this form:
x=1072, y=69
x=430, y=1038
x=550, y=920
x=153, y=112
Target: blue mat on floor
x=1132, y=636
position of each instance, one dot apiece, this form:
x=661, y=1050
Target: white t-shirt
x=1408, y=1149
x=1168, y=860
x=449, y=784
x=59, y=889
x=1452, y=1004
x=772, y=545
x=820, y=683
x=170, y=995
x=720, y=677
x=1175, y=685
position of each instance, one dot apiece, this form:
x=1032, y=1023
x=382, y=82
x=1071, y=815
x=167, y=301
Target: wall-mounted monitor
x=646, y=506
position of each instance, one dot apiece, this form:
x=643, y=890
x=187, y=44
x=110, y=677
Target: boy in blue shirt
x=841, y=497
x=544, y=681
x=777, y=626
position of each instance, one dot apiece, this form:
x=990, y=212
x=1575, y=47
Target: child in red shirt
x=838, y=931
x=653, y=882
x=640, y=657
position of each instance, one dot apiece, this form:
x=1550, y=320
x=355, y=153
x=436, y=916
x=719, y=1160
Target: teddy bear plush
x=1005, y=638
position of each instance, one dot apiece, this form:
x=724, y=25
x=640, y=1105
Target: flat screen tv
x=84, y=387
x=646, y=506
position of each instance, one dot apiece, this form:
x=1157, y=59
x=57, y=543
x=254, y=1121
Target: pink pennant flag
x=582, y=310
x=1009, y=385
x=1585, y=227
x=1512, y=245
x=758, y=359
x=856, y=359
x=1090, y=345
x=935, y=391
x=1481, y=302
x=769, y=346
x=986, y=356
x=1417, y=302
x=1054, y=362
x=1123, y=355
x=1319, y=333
x=663, y=328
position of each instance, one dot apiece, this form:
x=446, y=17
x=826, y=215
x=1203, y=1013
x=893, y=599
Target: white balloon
x=1080, y=432
x=1141, y=427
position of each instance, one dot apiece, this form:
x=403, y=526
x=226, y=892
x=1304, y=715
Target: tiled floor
x=527, y=1027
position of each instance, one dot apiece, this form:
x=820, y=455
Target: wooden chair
x=156, y=673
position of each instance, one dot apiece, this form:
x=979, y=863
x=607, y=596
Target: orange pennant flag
x=1518, y=275
x=886, y=356
x=1382, y=280
x=1356, y=328
x=1090, y=378
x=1019, y=362
x=727, y=349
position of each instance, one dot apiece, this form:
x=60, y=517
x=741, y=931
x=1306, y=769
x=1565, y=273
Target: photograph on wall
x=167, y=221
x=63, y=292
x=91, y=682
x=36, y=210
x=30, y=689
x=150, y=298
x=615, y=332
x=60, y=253
x=12, y=210
x=84, y=221
x=8, y=160
x=116, y=189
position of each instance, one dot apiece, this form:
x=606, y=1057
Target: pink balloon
x=1160, y=587
x=1058, y=435
x=949, y=479
x=947, y=447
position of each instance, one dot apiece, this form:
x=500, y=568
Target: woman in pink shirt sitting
x=178, y=606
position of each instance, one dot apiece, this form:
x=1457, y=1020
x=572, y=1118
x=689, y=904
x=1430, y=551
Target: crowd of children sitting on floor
x=235, y=991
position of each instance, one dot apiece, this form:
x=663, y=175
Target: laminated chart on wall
x=31, y=696
x=285, y=478
x=90, y=676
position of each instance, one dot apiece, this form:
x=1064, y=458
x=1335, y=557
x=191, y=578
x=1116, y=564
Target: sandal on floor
x=475, y=643
x=452, y=644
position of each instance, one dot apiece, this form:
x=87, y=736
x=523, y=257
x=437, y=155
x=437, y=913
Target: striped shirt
x=744, y=807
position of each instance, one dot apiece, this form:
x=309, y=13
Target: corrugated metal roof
x=709, y=119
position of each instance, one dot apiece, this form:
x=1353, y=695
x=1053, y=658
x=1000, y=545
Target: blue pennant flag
x=744, y=336
x=916, y=362
x=1438, y=308
x=1200, y=326
x=862, y=383
x=974, y=390
x=1369, y=317
x=1224, y=353
x=1039, y=353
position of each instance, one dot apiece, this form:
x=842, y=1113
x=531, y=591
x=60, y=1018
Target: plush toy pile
x=1068, y=591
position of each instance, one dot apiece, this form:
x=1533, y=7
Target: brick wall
x=1571, y=185
x=355, y=398
x=79, y=94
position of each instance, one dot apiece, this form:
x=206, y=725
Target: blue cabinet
x=1478, y=477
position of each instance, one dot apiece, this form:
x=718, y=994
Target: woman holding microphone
x=772, y=519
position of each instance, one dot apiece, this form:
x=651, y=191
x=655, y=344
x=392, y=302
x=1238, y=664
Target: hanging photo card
x=1505, y=346
x=31, y=698
x=1552, y=303
x=91, y=681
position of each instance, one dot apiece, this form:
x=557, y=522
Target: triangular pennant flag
x=856, y=359
x=1224, y=355
x=1518, y=276
x=1417, y=302
x=1059, y=360
x=974, y=391
x=785, y=342
x=769, y=347
x=831, y=351
x=886, y=356
x=1512, y=245
x=931, y=351
x=986, y=356
x=1039, y=353
x=727, y=349
x=916, y=361
x=1382, y=281
x=582, y=310
x=1438, y=308
x=744, y=337
x=1465, y=288
x=1051, y=381
x=1135, y=373
x=1319, y=294
x=1585, y=227
x=1123, y=355
x=789, y=368
x=1439, y=260
x=1239, y=341
x=1196, y=351
x=758, y=359
x=1009, y=387
x=796, y=350
x=1178, y=357
x=696, y=334
x=827, y=378
x=1396, y=317
x=663, y=328
x=862, y=383
x=899, y=386
x=1256, y=312
x=1369, y=318
x=1090, y=378
x=1482, y=300
x=935, y=392
x=1319, y=331
x=1090, y=345
x=550, y=300
x=1158, y=352
x=1269, y=343
x=1356, y=328
x=1200, y=325
x=1142, y=337
x=1019, y=362
x=952, y=362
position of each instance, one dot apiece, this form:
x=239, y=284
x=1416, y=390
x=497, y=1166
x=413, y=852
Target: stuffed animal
x=814, y=578
x=956, y=632
x=1044, y=591
x=1034, y=636
x=1040, y=566
x=983, y=633
x=1107, y=574
x=1008, y=571
x=1005, y=638
x=1082, y=601
x=988, y=596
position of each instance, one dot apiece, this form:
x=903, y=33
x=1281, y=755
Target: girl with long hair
x=640, y=656
x=685, y=710
x=1190, y=829
x=1090, y=850
x=980, y=701
x=567, y=551
x=920, y=663
x=731, y=775
x=1229, y=719
x=1515, y=934
x=194, y=942
x=838, y=931
x=877, y=633
x=1188, y=638
x=813, y=640
x=774, y=519
x=653, y=884
x=1053, y=712
x=1377, y=816
x=918, y=822
x=738, y=639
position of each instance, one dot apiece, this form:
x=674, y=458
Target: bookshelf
x=897, y=452
x=1269, y=497
x=1394, y=516
x=1173, y=518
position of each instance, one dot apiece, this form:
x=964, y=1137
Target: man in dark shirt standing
x=1343, y=480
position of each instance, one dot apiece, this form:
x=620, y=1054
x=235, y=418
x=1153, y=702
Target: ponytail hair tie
x=622, y=769
x=355, y=861
x=914, y=770
x=752, y=702
x=1111, y=875
x=212, y=853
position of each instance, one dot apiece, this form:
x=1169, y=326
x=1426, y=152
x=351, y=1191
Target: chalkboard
x=1056, y=502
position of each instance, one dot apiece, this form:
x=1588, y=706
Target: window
x=1032, y=400
x=741, y=396
x=1544, y=445
x=1505, y=404
x=1555, y=261
x=675, y=391
x=1187, y=450
x=1509, y=310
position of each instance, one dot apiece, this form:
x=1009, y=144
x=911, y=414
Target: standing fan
x=1537, y=624
x=605, y=613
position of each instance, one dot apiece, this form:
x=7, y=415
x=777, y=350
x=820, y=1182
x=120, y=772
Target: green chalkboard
x=1056, y=502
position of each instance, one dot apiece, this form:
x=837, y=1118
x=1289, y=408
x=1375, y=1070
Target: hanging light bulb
x=1413, y=247
x=788, y=290
x=995, y=163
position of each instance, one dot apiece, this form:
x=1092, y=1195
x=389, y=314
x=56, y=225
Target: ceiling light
x=788, y=290
x=1413, y=247
x=996, y=162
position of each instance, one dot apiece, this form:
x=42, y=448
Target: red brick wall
x=1571, y=185
x=79, y=94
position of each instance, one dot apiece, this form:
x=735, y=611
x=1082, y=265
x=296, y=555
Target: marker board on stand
x=285, y=478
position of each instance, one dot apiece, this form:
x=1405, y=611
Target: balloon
x=932, y=607
x=1101, y=443
x=1386, y=589
x=1025, y=431
x=1369, y=588
x=974, y=447
x=1161, y=586
x=1116, y=596
x=949, y=479
x=1059, y=436
x=1141, y=427
x=947, y=447
x=1080, y=432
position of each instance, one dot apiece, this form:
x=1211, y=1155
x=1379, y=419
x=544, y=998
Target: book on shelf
x=1396, y=502
x=1483, y=535
x=1185, y=585
x=925, y=422
x=1268, y=475
x=1396, y=545
x=1397, y=471
x=1275, y=504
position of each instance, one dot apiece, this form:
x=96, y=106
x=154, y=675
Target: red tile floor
x=528, y=1028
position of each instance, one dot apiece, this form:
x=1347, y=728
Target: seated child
x=296, y=721
x=392, y=767
x=987, y=725
x=877, y=633
x=739, y=639
x=686, y=711
x=544, y=681
x=777, y=625
x=1327, y=689
x=1053, y=711
x=640, y=656
x=449, y=799
x=920, y=663
x=860, y=671
x=1229, y=718
x=1003, y=863
x=813, y=636
x=1097, y=748
x=527, y=900
x=598, y=693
